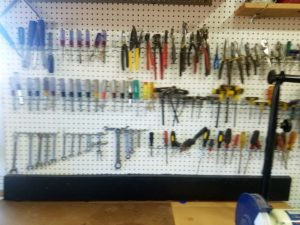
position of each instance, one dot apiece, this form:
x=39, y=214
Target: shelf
x=269, y=10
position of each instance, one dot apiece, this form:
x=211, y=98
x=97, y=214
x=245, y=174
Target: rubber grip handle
x=21, y=36
x=31, y=33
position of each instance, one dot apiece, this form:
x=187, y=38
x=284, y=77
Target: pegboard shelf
x=268, y=10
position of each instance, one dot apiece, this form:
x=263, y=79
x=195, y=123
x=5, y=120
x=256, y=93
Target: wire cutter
x=195, y=56
x=248, y=59
x=156, y=45
x=227, y=61
x=236, y=56
x=124, y=52
x=134, y=46
x=165, y=50
x=182, y=59
x=148, y=51
x=203, y=47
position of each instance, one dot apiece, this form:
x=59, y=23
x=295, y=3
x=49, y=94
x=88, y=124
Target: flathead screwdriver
x=29, y=92
x=95, y=90
x=79, y=44
x=62, y=41
x=166, y=144
x=220, y=141
x=79, y=93
x=227, y=141
x=254, y=145
x=122, y=94
x=113, y=93
x=242, y=145
x=234, y=145
x=71, y=93
x=103, y=94
x=46, y=91
x=62, y=87
x=88, y=93
x=71, y=43
x=37, y=92
x=151, y=141
x=53, y=91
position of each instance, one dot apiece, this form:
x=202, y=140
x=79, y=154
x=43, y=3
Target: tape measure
x=252, y=209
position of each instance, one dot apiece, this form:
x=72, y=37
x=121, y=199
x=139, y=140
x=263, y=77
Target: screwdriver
x=151, y=141
x=40, y=38
x=103, y=45
x=166, y=144
x=173, y=140
x=29, y=92
x=251, y=102
x=103, y=93
x=262, y=105
x=79, y=93
x=234, y=145
x=96, y=45
x=79, y=44
x=242, y=145
x=13, y=88
x=88, y=93
x=62, y=87
x=88, y=42
x=53, y=91
x=113, y=93
x=71, y=93
x=122, y=94
x=220, y=141
x=136, y=94
x=71, y=42
x=211, y=144
x=290, y=145
x=217, y=59
x=254, y=145
x=50, y=59
x=227, y=141
x=46, y=91
x=62, y=41
x=206, y=136
x=95, y=88
x=21, y=40
x=281, y=145
x=130, y=92
x=30, y=43
x=37, y=92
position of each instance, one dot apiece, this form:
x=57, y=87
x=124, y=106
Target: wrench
x=72, y=145
x=118, y=152
x=79, y=144
x=14, y=160
x=30, y=139
x=40, y=146
x=127, y=144
x=53, y=157
x=99, y=143
x=46, y=153
x=64, y=148
x=88, y=142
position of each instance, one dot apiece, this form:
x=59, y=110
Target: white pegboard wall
x=154, y=19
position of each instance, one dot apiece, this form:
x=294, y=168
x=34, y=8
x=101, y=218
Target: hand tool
x=13, y=89
x=236, y=56
x=173, y=47
x=262, y=105
x=39, y=162
x=174, y=143
x=79, y=44
x=16, y=90
x=200, y=100
x=72, y=145
x=193, y=106
x=217, y=59
x=21, y=40
x=132, y=46
x=40, y=39
x=220, y=140
x=29, y=92
x=99, y=143
x=183, y=49
x=124, y=52
x=156, y=46
x=130, y=92
x=79, y=152
x=97, y=42
x=290, y=146
x=237, y=92
x=50, y=58
x=251, y=101
x=128, y=143
x=103, y=94
x=136, y=93
x=205, y=49
x=281, y=145
x=53, y=156
x=88, y=147
x=257, y=55
x=52, y=89
x=279, y=54
x=189, y=142
x=195, y=60
x=206, y=136
x=71, y=93
x=95, y=90
x=62, y=41
x=30, y=142
x=249, y=59
x=254, y=145
x=242, y=145
x=87, y=42
x=234, y=145
x=113, y=93
x=37, y=92
x=228, y=91
x=211, y=144
x=117, y=132
x=88, y=93
x=265, y=49
x=64, y=153
x=221, y=92
x=286, y=125
x=225, y=60
x=62, y=87
x=79, y=93
x=148, y=51
x=212, y=100
x=15, y=152
x=32, y=29
x=227, y=141
x=46, y=92
x=151, y=142
x=103, y=45
x=71, y=43
x=166, y=144
x=122, y=94
x=165, y=50
x=46, y=152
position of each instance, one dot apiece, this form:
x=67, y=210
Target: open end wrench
x=72, y=145
x=53, y=157
x=46, y=153
x=30, y=140
x=14, y=160
x=79, y=144
x=118, y=164
x=40, y=146
x=127, y=144
x=64, y=157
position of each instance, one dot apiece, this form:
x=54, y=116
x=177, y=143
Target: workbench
x=119, y=213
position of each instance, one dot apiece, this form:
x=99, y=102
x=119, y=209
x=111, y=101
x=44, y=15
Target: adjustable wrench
x=63, y=157
x=14, y=160
x=40, y=146
x=30, y=139
x=53, y=157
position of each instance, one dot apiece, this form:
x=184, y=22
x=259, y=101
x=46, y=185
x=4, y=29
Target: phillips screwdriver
x=151, y=141
x=166, y=144
x=87, y=42
x=113, y=93
x=46, y=91
x=234, y=145
x=220, y=141
x=262, y=105
x=242, y=145
x=206, y=136
x=95, y=89
x=79, y=44
x=62, y=41
x=30, y=43
x=130, y=92
x=53, y=92
x=71, y=43
x=251, y=102
x=62, y=87
x=122, y=94
x=79, y=93
x=71, y=93
x=103, y=93
x=227, y=141
x=21, y=40
x=50, y=58
x=290, y=146
x=88, y=94
x=29, y=92
x=37, y=92
x=254, y=145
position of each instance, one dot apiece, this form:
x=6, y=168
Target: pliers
x=248, y=59
x=156, y=45
x=227, y=61
x=148, y=51
x=236, y=56
x=195, y=56
x=165, y=50
x=134, y=45
x=203, y=47
x=173, y=53
x=124, y=52
x=182, y=59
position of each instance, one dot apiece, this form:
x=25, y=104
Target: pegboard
x=114, y=18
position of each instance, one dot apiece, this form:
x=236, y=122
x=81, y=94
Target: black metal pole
x=271, y=134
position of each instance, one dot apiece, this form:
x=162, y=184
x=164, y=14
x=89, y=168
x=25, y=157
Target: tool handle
x=235, y=141
x=62, y=87
x=200, y=133
x=103, y=89
x=97, y=40
x=103, y=38
x=220, y=139
x=29, y=86
x=95, y=89
x=136, y=89
x=87, y=85
x=151, y=139
x=87, y=38
x=166, y=138
x=71, y=88
x=79, y=38
x=78, y=88
x=206, y=137
x=292, y=140
x=52, y=86
x=227, y=137
x=211, y=144
x=41, y=33
x=71, y=38
x=31, y=33
x=254, y=141
x=46, y=86
x=113, y=89
x=123, y=89
x=62, y=37
x=21, y=36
